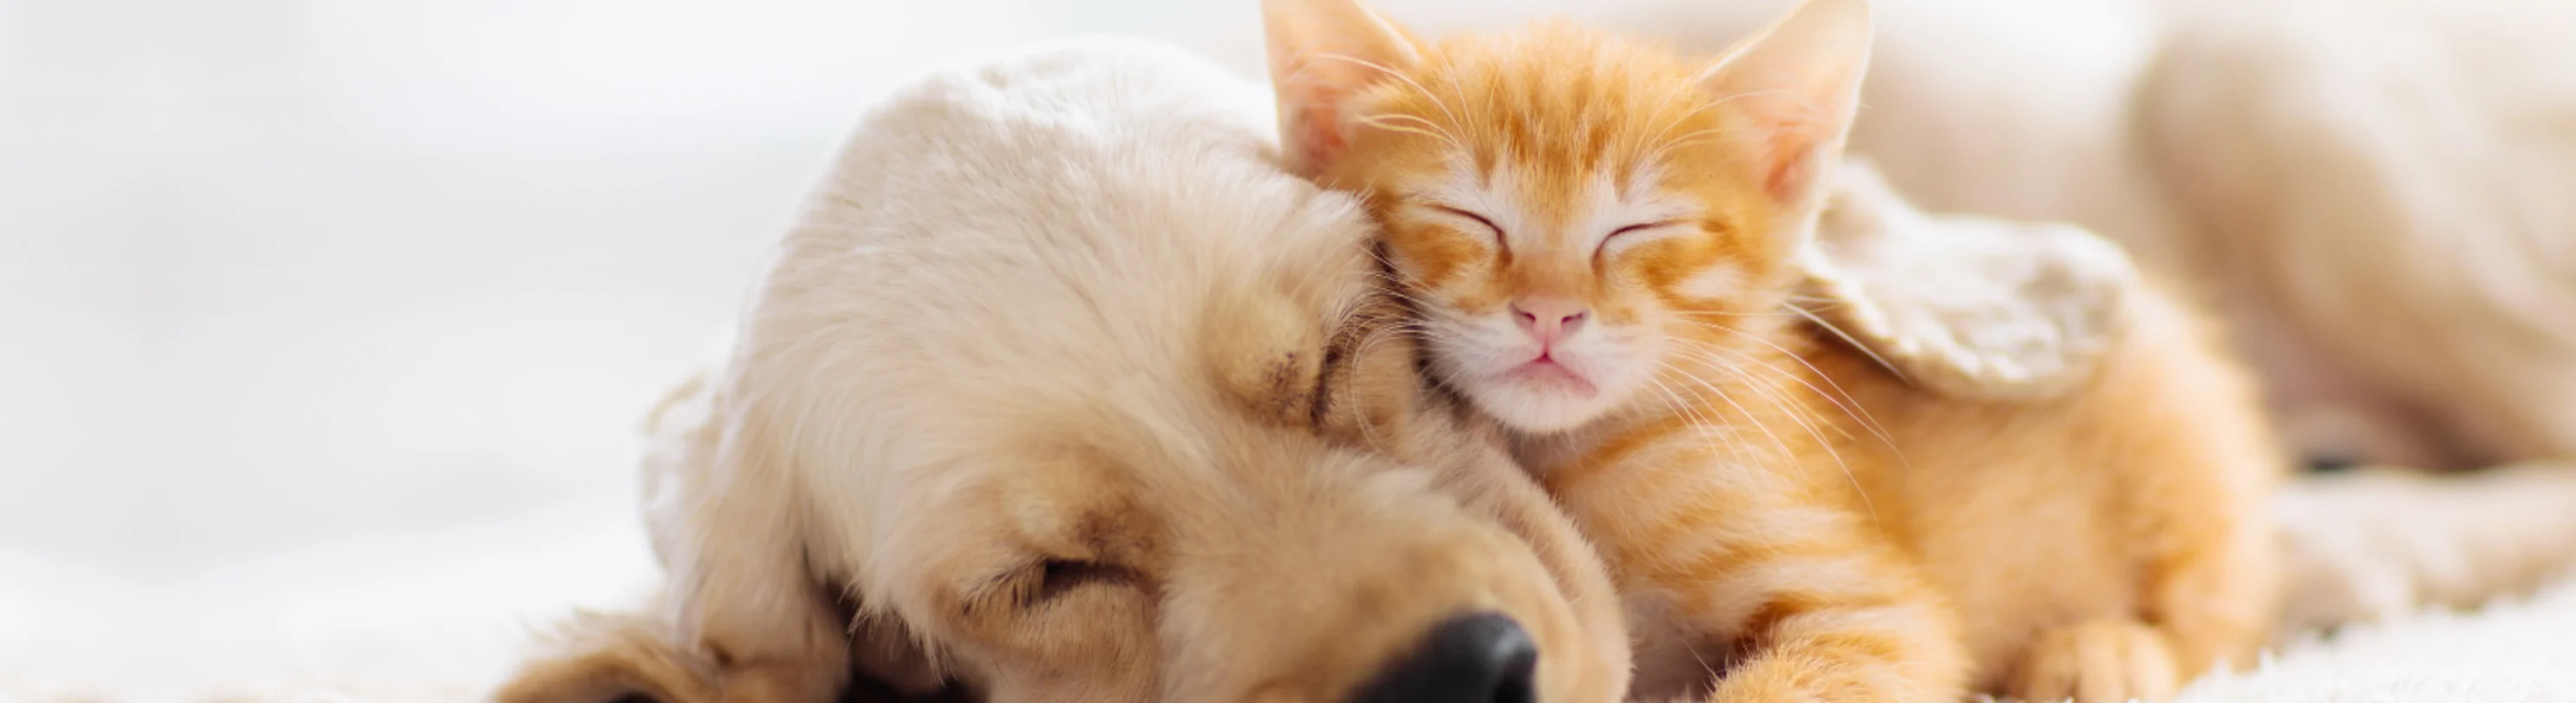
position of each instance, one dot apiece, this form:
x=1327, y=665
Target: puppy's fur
x=1063, y=391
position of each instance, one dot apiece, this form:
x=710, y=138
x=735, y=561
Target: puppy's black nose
x=1479, y=658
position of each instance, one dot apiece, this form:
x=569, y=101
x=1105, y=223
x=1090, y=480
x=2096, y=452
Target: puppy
x=1062, y=390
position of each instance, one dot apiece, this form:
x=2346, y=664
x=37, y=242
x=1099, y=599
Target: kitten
x=1611, y=250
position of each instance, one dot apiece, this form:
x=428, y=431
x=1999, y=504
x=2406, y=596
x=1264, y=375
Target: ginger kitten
x=1614, y=251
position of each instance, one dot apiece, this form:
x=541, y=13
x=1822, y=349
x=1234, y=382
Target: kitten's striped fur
x=1788, y=520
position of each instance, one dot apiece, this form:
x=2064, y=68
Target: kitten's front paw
x=2100, y=661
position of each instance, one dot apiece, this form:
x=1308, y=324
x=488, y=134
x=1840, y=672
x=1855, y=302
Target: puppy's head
x=1079, y=397
x=1264, y=514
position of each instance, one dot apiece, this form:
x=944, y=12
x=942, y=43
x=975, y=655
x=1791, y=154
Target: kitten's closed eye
x=1479, y=219
x=1629, y=236
x=1640, y=227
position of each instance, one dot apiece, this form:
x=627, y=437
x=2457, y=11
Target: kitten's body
x=1608, y=245
x=2125, y=503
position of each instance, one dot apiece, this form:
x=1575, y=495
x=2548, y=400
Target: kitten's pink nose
x=1548, y=319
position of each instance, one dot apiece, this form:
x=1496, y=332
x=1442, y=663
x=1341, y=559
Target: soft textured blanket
x=2504, y=653
x=437, y=615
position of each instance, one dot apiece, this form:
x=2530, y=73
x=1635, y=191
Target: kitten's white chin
x=1538, y=400
x=1550, y=377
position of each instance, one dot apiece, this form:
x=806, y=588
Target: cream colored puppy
x=1062, y=390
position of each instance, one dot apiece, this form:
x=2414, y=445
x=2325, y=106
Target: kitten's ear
x=1322, y=54
x=1967, y=307
x=1799, y=83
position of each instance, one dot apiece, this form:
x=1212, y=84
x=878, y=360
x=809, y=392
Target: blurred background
x=325, y=324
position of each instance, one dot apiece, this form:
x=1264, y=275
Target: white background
x=324, y=323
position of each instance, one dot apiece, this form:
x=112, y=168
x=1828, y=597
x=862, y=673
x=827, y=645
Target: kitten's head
x=1576, y=216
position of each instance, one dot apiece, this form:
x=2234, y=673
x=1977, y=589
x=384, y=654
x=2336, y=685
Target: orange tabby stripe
x=1760, y=555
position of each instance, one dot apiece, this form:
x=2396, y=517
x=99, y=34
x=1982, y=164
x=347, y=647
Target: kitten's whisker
x=1687, y=140
x=1394, y=287
x=1429, y=129
x=1756, y=422
x=1660, y=134
x=1729, y=313
x=1848, y=407
x=1797, y=415
x=1673, y=402
x=1706, y=429
x=1837, y=397
x=1847, y=339
x=1400, y=284
x=1398, y=75
x=1779, y=397
x=1669, y=98
x=1405, y=300
x=1731, y=97
x=1842, y=399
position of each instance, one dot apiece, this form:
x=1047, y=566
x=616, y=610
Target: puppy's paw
x=2099, y=661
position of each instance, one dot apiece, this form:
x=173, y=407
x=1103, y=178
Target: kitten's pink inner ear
x=1798, y=83
x=1323, y=54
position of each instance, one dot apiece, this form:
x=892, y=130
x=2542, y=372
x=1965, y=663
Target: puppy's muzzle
x=1477, y=658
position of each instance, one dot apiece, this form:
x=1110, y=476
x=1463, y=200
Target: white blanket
x=438, y=615
x=2504, y=653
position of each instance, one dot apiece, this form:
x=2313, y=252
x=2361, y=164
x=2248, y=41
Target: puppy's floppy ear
x=1324, y=53
x=1967, y=307
x=606, y=657
x=625, y=657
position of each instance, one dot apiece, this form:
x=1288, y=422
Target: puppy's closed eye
x=1049, y=580
x=1057, y=577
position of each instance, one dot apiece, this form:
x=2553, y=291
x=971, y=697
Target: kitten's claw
x=2099, y=661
